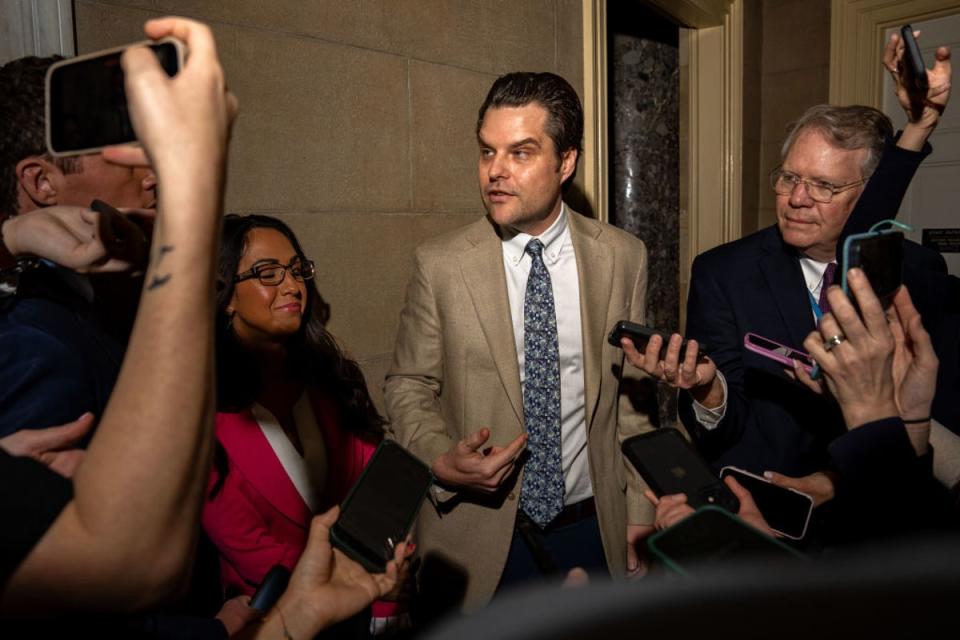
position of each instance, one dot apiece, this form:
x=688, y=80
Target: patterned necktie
x=541, y=495
x=828, y=277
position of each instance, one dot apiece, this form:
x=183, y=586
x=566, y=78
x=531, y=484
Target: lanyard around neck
x=815, y=305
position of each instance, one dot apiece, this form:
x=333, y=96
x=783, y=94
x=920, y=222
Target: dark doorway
x=644, y=117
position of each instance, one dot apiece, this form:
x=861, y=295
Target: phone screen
x=88, y=102
x=786, y=511
x=881, y=258
x=384, y=502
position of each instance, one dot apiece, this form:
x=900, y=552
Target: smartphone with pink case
x=775, y=351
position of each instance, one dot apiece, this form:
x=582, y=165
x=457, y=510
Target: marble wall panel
x=645, y=154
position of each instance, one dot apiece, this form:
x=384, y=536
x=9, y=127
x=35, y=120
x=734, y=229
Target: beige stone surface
x=492, y=36
x=363, y=263
x=375, y=369
x=769, y=160
x=796, y=35
x=322, y=127
x=101, y=26
x=767, y=217
x=444, y=102
x=750, y=192
x=786, y=95
x=570, y=42
x=357, y=124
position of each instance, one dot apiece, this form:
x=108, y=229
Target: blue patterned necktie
x=541, y=495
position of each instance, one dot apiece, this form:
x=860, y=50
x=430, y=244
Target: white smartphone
x=787, y=511
x=86, y=102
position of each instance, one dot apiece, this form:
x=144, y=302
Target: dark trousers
x=577, y=544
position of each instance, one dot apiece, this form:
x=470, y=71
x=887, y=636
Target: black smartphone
x=121, y=236
x=880, y=255
x=270, y=589
x=787, y=511
x=641, y=336
x=669, y=464
x=380, y=509
x=710, y=536
x=86, y=102
x=913, y=70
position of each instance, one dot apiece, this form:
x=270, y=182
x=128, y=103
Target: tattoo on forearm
x=159, y=280
x=164, y=250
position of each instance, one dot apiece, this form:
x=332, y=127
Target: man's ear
x=568, y=163
x=37, y=180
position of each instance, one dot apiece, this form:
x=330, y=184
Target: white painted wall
x=933, y=200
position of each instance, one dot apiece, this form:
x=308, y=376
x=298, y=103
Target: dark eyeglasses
x=272, y=274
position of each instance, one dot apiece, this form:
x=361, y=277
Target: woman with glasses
x=295, y=424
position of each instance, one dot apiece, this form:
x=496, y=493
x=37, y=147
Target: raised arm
x=126, y=539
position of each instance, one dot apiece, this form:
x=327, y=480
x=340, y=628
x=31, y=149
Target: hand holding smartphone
x=712, y=535
x=879, y=254
x=640, y=335
x=380, y=509
x=670, y=465
x=913, y=72
x=86, y=100
x=786, y=511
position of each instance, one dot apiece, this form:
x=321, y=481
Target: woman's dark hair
x=312, y=354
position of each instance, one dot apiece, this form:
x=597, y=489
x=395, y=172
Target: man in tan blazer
x=523, y=436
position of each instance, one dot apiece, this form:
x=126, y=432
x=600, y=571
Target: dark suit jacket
x=56, y=361
x=879, y=468
x=756, y=285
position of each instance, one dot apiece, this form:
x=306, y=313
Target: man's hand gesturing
x=467, y=464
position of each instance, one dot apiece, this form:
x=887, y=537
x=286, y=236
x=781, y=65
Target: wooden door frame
x=857, y=38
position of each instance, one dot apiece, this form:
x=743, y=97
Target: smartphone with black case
x=380, y=509
x=787, y=511
x=713, y=536
x=913, y=69
x=121, y=236
x=641, y=336
x=880, y=255
x=86, y=101
x=669, y=465
x=270, y=589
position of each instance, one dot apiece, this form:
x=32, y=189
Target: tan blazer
x=455, y=370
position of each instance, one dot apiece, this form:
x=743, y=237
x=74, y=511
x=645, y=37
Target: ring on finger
x=833, y=341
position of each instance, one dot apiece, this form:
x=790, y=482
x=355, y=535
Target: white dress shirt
x=561, y=263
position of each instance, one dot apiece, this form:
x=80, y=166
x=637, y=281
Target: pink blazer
x=258, y=518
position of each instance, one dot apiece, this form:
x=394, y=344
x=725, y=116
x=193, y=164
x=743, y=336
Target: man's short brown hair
x=22, y=86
